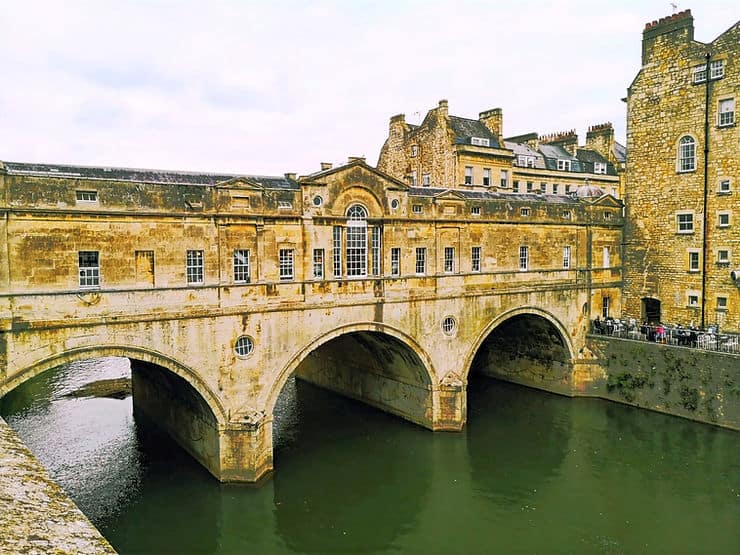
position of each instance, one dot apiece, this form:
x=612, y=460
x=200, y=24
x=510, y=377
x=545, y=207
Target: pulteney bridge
x=346, y=278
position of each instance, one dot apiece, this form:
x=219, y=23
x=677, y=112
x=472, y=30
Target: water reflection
x=328, y=499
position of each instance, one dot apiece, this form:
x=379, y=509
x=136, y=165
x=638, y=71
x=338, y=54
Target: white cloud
x=269, y=87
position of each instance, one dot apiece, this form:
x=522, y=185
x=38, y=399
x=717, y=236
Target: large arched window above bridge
x=350, y=246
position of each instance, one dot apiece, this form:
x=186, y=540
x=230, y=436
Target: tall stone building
x=682, y=240
x=452, y=152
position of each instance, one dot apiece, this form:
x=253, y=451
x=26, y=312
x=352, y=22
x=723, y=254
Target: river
x=531, y=473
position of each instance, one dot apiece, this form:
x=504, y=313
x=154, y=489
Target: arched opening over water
x=372, y=364
x=164, y=392
x=528, y=347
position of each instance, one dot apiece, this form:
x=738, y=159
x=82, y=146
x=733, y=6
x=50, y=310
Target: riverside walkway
x=36, y=515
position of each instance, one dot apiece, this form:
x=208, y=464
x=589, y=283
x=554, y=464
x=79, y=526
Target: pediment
x=240, y=182
x=450, y=194
x=353, y=174
x=607, y=200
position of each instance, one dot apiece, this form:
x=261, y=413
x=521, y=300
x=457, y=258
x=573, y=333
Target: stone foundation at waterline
x=691, y=383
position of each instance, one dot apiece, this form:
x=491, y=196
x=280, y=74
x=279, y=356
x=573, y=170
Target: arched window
x=356, y=241
x=686, y=154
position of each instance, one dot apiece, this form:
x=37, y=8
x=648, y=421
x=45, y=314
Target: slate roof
x=465, y=128
x=589, y=157
x=165, y=177
x=525, y=150
x=492, y=195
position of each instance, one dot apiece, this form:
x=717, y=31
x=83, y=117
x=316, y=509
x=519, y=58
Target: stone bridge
x=213, y=338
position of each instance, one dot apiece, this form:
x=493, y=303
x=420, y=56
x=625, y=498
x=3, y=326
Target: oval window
x=318, y=201
x=394, y=203
x=448, y=325
x=244, y=346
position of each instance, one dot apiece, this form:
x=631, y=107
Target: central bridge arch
x=371, y=362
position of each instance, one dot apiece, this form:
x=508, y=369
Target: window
x=693, y=261
x=286, y=264
x=475, y=259
x=567, y=189
x=426, y=180
x=564, y=165
x=475, y=210
x=449, y=260
x=144, y=263
x=566, y=257
x=700, y=73
x=724, y=186
x=87, y=196
x=468, y=175
x=606, y=258
x=479, y=141
x=89, y=266
x=685, y=222
x=723, y=219
x=395, y=261
x=414, y=151
x=241, y=266
x=356, y=241
x=449, y=325
x=194, y=266
x=600, y=167
x=726, y=112
x=607, y=215
x=486, y=177
x=413, y=177
x=555, y=188
x=421, y=260
x=693, y=299
x=686, y=154
x=516, y=186
x=394, y=204
x=717, y=69
x=530, y=186
x=337, y=251
x=543, y=187
x=565, y=214
x=605, y=307
x=318, y=201
x=416, y=208
x=523, y=259
x=285, y=204
x=375, y=250
x=244, y=346
x=721, y=303
x=318, y=263
x=723, y=256
x=524, y=211
x=504, y=178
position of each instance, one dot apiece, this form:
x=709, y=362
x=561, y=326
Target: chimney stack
x=566, y=139
x=356, y=159
x=680, y=25
x=326, y=166
x=290, y=176
x=600, y=138
x=494, y=121
x=442, y=108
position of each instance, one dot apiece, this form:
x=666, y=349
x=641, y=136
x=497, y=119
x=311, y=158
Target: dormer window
x=564, y=165
x=414, y=151
x=87, y=196
x=479, y=141
x=600, y=167
x=525, y=161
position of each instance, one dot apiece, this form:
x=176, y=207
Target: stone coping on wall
x=36, y=514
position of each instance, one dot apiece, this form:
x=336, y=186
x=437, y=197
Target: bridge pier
x=237, y=451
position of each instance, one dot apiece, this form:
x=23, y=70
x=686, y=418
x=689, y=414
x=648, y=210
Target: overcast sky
x=274, y=87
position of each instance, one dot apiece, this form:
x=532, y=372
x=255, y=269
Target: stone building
x=221, y=287
x=682, y=240
x=447, y=151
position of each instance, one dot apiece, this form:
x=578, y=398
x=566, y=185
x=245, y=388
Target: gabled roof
x=521, y=149
x=320, y=176
x=465, y=128
x=136, y=175
x=434, y=192
x=450, y=194
x=620, y=152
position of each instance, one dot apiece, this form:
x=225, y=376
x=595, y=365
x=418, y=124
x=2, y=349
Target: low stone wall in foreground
x=36, y=515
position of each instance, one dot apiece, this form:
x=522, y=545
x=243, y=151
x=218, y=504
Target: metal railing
x=710, y=339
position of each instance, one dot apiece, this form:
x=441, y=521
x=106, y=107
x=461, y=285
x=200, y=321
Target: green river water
x=532, y=473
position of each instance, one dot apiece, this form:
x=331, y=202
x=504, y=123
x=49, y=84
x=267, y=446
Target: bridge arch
x=399, y=344
x=127, y=351
x=516, y=320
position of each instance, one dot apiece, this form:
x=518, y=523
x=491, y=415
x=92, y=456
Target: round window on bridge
x=449, y=325
x=317, y=200
x=394, y=203
x=244, y=346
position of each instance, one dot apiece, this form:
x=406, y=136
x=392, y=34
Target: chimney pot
x=290, y=176
x=326, y=166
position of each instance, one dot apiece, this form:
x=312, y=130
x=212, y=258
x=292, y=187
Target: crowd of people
x=686, y=336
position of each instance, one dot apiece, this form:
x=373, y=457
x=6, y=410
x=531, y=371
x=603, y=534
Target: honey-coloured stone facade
x=682, y=201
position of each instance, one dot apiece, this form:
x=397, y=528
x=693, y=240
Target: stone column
x=450, y=405
x=246, y=449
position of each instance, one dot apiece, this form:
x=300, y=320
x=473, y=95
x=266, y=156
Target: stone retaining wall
x=692, y=383
x=36, y=515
